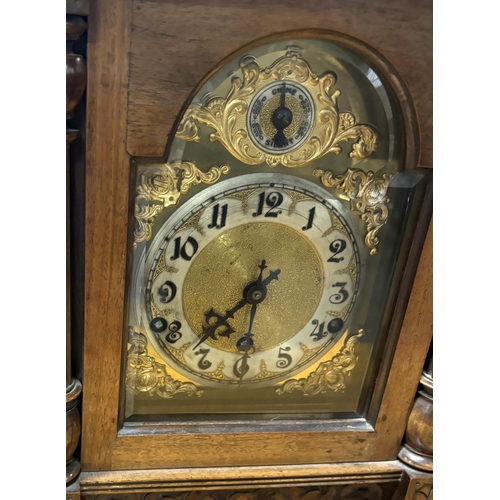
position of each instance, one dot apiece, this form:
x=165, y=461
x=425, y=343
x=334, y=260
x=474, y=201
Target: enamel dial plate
x=251, y=281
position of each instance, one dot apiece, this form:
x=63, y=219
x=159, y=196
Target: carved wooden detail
x=420, y=490
x=415, y=485
x=418, y=446
x=367, y=491
x=290, y=480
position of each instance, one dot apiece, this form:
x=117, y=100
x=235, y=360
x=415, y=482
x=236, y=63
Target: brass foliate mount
x=146, y=375
x=330, y=375
x=161, y=186
x=227, y=116
x=368, y=198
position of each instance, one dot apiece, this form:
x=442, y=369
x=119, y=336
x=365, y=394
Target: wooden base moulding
x=360, y=481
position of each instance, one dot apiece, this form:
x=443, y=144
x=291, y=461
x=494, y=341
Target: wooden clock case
x=145, y=58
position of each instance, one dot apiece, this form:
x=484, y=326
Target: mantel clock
x=268, y=258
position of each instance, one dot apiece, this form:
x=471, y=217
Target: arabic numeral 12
x=273, y=200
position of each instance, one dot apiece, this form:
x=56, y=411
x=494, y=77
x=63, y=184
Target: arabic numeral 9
x=167, y=292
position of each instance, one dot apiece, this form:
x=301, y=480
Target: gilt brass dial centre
x=220, y=273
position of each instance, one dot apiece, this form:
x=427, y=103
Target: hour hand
x=218, y=323
x=254, y=294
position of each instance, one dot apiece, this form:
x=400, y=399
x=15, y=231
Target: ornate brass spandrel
x=163, y=266
x=161, y=186
x=296, y=198
x=146, y=375
x=244, y=197
x=227, y=116
x=330, y=375
x=218, y=373
x=178, y=353
x=368, y=197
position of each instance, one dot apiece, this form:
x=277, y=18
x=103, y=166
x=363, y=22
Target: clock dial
x=280, y=117
x=251, y=281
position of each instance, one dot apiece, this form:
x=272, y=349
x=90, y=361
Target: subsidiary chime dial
x=251, y=281
x=280, y=117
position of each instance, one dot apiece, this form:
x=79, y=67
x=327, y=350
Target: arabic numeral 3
x=340, y=295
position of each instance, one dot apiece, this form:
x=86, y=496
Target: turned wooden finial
x=76, y=76
x=418, y=446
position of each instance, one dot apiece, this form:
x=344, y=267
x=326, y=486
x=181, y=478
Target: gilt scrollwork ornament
x=146, y=375
x=368, y=197
x=227, y=116
x=330, y=375
x=161, y=186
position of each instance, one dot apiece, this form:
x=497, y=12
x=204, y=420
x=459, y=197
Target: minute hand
x=273, y=275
